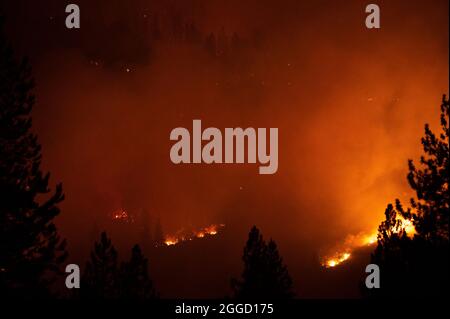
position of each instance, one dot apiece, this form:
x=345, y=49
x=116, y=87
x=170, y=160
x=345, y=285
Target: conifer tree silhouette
x=158, y=238
x=278, y=275
x=146, y=239
x=430, y=211
x=211, y=44
x=135, y=282
x=264, y=276
x=31, y=250
x=418, y=266
x=100, y=278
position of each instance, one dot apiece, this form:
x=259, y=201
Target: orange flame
x=338, y=259
x=169, y=241
x=211, y=230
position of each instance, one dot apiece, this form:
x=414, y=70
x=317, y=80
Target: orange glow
x=370, y=239
x=169, y=241
x=353, y=242
x=211, y=230
x=408, y=226
x=121, y=215
x=338, y=259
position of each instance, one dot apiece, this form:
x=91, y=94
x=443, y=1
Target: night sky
x=350, y=105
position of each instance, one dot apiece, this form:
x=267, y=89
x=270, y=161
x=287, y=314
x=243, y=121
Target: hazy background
x=350, y=104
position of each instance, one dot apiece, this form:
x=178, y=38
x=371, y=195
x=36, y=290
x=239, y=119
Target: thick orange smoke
x=350, y=105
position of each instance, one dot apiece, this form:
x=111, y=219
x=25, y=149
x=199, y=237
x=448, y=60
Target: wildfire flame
x=121, y=215
x=352, y=242
x=340, y=258
x=211, y=230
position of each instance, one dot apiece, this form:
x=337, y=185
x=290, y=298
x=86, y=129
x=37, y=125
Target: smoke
x=349, y=103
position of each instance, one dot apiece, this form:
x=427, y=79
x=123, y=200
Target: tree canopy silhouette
x=31, y=250
x=135, y=282
x=104, y=279
x=264, y=276
x=100, y=278
x=418, y=265
x=158, y=239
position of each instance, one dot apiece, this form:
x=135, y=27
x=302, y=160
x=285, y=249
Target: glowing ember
x=169, y=241
x=408, y=226
x=121, y=215
x=202, y=233
x=337, y=260
x=371, y=239
x=352, y=242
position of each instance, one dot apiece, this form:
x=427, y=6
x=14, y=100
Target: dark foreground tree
x=158, y=237
x=135, y=282
x=264, y=276
x=30, y=249
x=419, y=265
x=103, y=279
x=100, y=278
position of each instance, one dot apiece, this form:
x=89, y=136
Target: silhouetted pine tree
x=193, y=35
x=100, y=278
x=135, y=282
x=177, y=27
x=419, y=266
x=155, y=29
x=431, y=209
x=264, y=275
x=222, y=43
x=236, y=42
x=211, y=45
x=94, y=233
x=30, y=249
x=158, y=234
x=279, y=281
x=146, y=236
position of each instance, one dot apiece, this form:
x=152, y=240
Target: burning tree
x=264, y=276
x=419, y=265
x=30, y=248
x=158, y=238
